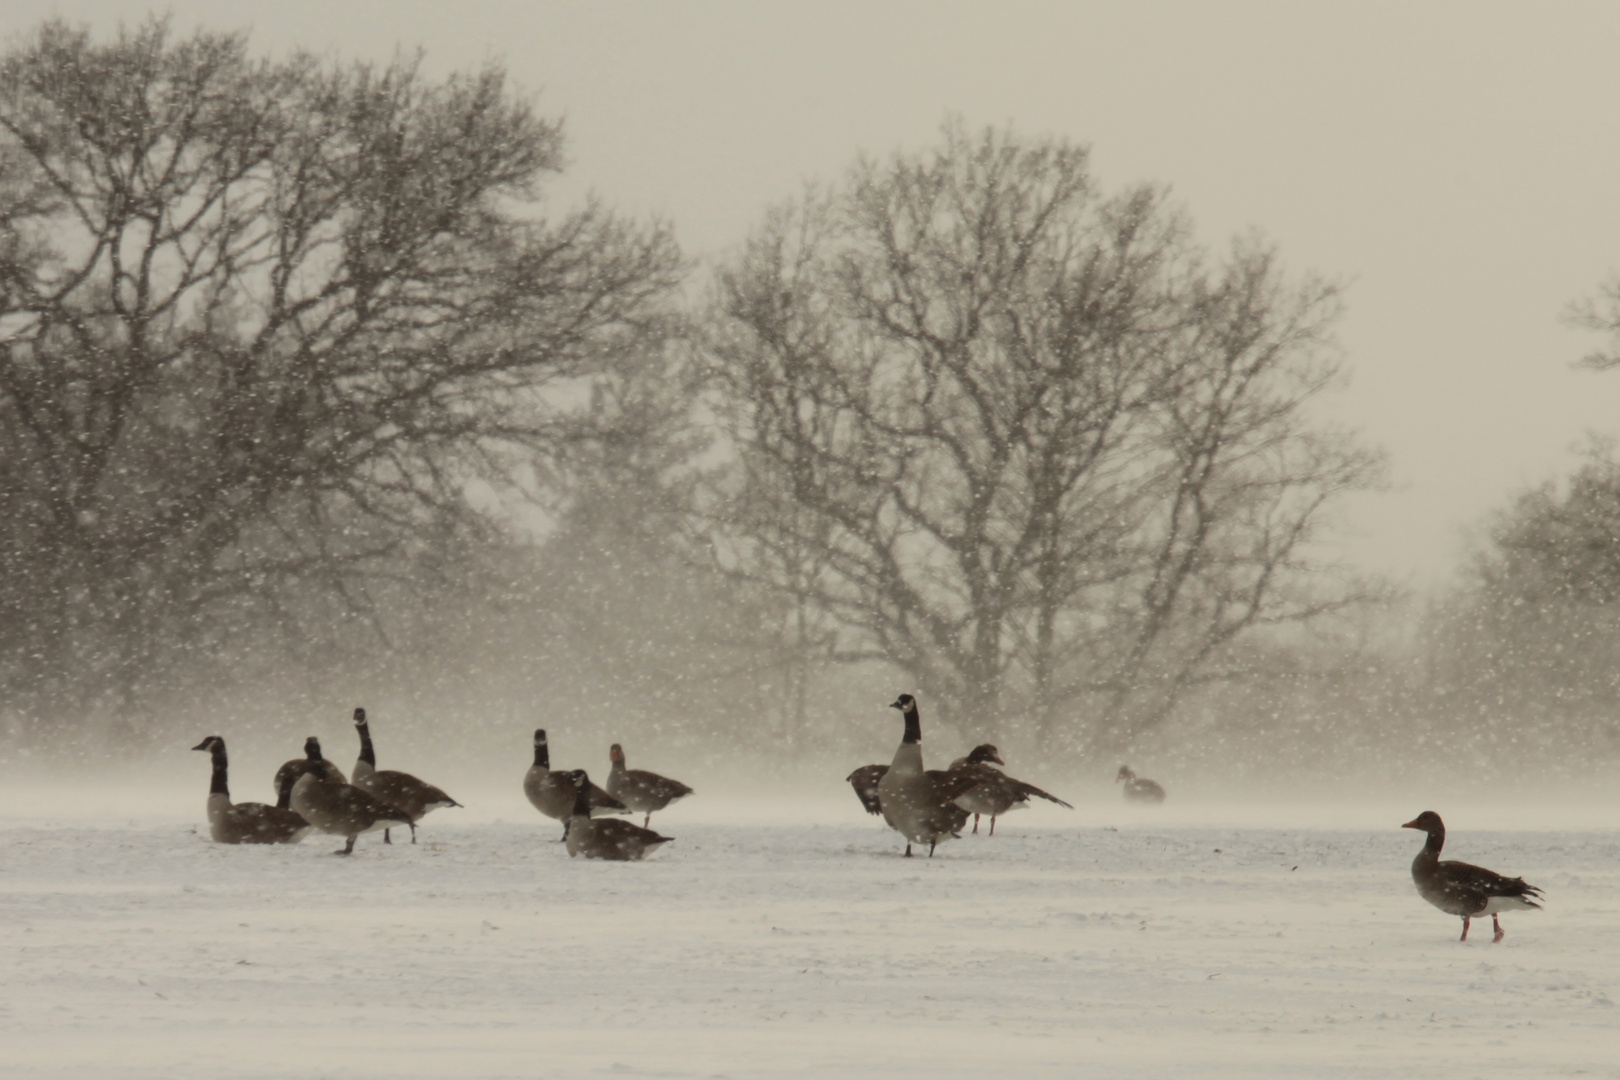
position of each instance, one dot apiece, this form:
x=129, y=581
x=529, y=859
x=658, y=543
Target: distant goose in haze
x=640, y=790
x=605, y=838
x=249, y=822
x=552, y=792
x=919, y=803
x=997, y=793
x=1458, y=888
x=312, y=761
x=341, y=808
x=1138, y=790
x=415, y=798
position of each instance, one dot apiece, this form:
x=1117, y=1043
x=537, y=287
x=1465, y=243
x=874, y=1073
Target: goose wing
x=1025, y=791
x=602, y=802
x=412, y=796
x=1465, y=881
x=865, y=781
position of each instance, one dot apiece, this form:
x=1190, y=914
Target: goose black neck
x=582, y=800
x=284, y=796
x=367, y=755
x=218, y=786
x=542, y=756
x=913, y=726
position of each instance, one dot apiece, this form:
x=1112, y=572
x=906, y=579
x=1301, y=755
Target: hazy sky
x=1458, y=165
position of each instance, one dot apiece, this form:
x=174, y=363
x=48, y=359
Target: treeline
x=304, y=387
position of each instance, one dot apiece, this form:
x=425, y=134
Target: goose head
x=579, y=778
x=213, y=742
x=905, y=703
x=1428, y=821
x=984, y=752
x=312, y=749
x=616, y=754
x=1124, y=773
x=359, y=718
x=539, y=736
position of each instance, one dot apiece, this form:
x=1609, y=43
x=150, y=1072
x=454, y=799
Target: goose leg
x=646, y=821
x=908, y=849
x=1465, y=929
x=348, y=849
x=976, y=824
x=1496, y=921
x=931, y=844
x=566, y=826
x=386, y=838
x=992, y=825
x=413, y=832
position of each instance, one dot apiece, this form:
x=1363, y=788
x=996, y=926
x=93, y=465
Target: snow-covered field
x=789, y=939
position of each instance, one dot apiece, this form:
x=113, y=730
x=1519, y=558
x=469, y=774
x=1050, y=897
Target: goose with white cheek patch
x=342, y=809
x=249, y=822
x=552, y=791
x=1458, y=888
x=1138, y=789
x=640, y=790
x=920, y=804
x=311, y=762
x=605, y=838
x=404, y=792
x=997, y=792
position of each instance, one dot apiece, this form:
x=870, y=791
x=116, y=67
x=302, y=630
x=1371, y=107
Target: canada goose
x=605, y=838
x=641, y=791
x=552, y=793
x=920, y=803
x=1458, y=888
x=342, y=809
x=312, y=761
x=415, y=798
x=1138, y=790
x=249, y=822
x=997, y=792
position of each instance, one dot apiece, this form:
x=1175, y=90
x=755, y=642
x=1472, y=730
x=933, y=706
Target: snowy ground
x=791, y=940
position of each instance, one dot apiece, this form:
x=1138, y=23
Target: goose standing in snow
x=919, y=803
x=605, y=838
x=312, y=761
x=997, y=793
x=1136, y=789
x=415, y=798
x=341, y=808
x=249, y=822
x=552, y=793
x=1458, y=888
x=640, y=790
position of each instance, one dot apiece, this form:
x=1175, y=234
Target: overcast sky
x=1457, y=165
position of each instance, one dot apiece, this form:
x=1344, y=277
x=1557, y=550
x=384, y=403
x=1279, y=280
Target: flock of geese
x=312, y=793
x=924, y=805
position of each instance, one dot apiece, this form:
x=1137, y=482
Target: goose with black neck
x=412, y=797
x=918, y=803
x=552, y=791
x=249, y=822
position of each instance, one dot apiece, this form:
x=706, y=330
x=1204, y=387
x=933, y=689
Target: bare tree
x=1016, y=437
x=260, y=323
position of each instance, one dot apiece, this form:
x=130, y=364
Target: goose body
x=1462, y=889
x=312, y=761
x=1138, y=789
x=997, y=793
x=412, y=797
x=640, y=790
x=920, y=804
x=605, y=838
x=341, y=808
x=250, y=822
x=552, y=791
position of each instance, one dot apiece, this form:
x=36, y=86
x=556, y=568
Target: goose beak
x=1412, y=825
x=997, y=759
x=896, y=705
x=201, y=746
